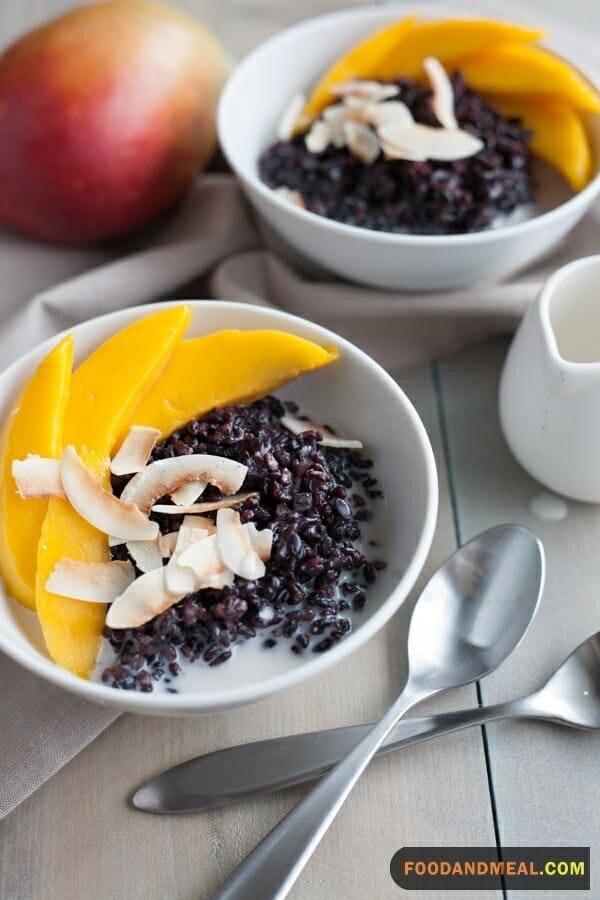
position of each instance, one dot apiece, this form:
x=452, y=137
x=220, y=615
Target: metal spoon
x=472, y=613
x=571, y=696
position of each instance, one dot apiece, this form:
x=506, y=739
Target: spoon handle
x=274, y=865
x=224, y=776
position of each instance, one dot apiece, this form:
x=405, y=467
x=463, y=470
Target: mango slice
x=518, y=70
x=34, y=425
x=110, y=383
x=225, y=367
x=362, y=61
x=105, y=390
x=400, y=49
x=560, y=136
x=449, y=40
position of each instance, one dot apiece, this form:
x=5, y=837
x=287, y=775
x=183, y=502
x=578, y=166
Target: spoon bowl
x=476, y=608
x=571, y=695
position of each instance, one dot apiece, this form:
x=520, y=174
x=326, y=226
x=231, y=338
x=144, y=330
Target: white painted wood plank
x=545, y=776
x=76, y=837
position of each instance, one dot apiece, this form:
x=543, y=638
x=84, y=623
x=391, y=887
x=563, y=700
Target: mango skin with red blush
x=106, y=115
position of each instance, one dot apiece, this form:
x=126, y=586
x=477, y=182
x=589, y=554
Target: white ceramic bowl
x=252, y=103
x=354, y=393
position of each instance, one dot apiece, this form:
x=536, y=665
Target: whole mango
x=106, y=115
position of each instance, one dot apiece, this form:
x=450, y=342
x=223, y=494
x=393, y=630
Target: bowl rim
x=376, y=14
x=198, y=703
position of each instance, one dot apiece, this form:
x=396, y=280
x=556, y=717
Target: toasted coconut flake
x=144, y=599
x=166, y=475
x=100, y=508
x=328, y=439
x=203, y=558
x=166, y=543
x=290, y=118
x=235, y=547
x=188, y=493
x=355, y=106
x=135, y=450
x=291, y=196
x=319, y=137
x=392, y=151
x=364, y=90
x=179, y=579
x=195, y=568
x=443, y=95
x=95, y=582
x=393, y=113
x=147, y=555
x=38, y=477
x=421, y=141
x=361, y=142
x=332, y=440
x=208, y=506
x=200, y=522
x=262, y=541
x=335, y=116
x=218, y=582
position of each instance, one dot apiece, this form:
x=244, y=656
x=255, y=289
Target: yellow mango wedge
x=399, y=50
x=105, y=390
x=449, y=40
x=34, y=425
x=560, y=136
x=520, y=70
x=112, y=381
x=364, y=60
x=225, y=367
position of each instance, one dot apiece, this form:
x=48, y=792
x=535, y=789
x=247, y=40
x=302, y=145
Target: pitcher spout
x=569, y=311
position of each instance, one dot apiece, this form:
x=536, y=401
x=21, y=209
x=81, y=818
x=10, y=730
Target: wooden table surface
x=508, y=783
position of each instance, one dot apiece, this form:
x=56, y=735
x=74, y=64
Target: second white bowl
x=251, y=105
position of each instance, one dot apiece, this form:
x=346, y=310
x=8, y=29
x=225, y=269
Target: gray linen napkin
x=209, y=247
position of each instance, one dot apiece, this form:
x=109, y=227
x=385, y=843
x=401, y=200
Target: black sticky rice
x=418, y=197
x=315, y=501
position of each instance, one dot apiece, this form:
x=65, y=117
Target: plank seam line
x=445, y=440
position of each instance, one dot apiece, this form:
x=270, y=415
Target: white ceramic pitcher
x=550, y=385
